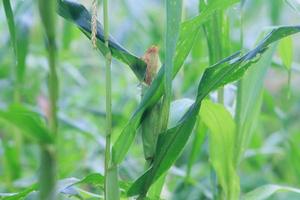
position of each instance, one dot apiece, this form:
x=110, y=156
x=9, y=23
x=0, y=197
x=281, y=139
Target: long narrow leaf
x=79, y=15
x=11, y=22
x=249, y=101
x=221, y=146
x=19, y=195
x=264, y=192
x=173, y=8
x=19, y=35
x=171, y=143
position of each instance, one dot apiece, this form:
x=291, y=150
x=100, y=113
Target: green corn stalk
x=111, y=186
x=47, y=178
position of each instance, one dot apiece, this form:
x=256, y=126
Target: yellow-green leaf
x=286, y=52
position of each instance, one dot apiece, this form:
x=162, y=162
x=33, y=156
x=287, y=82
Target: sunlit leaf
x=221, y=146
x=266, y=191
x=286, y=52
x=249, y=101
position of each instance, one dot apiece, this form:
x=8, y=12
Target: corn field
x=149, y=100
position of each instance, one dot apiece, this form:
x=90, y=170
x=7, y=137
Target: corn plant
x=200, y=121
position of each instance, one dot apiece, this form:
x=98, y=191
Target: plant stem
x=47, y=178
x=108, y=102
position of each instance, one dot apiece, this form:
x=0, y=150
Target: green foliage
x=48, y=170
x=286, y=52
x=146, y=145
x=249, y=102
x=264, y=192
x=20, y=195
x=34, y=127
x=171, y=143
x=173, y=10
x=19, y=33
x=78, y=14
x=221, y=146
x=188, y=32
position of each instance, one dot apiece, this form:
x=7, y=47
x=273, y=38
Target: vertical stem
x=108, y=100
x=53, y=86
x=47, y=177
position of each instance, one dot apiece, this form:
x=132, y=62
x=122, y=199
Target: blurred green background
x=274, y=152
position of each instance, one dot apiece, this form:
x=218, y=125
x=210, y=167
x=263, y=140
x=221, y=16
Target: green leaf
x=79, y=15
x=23, y=33
x=286, y=52
x=150, y=129
x=19, y=34
x=48, y=18
x=170, y=145
x=150, y=135
x=33, y=127
x=19, y=195
x=266, y=191
x=94, y=179
x=11, y=157
x=97, y=180
x=232, y=68
x=173, y=10
x=11, y=23
x=249, y=101
x=198, y=140
x=172, y=142
x=189, y=31
x=64, y=186
x=221, y=146
x=276, y=8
